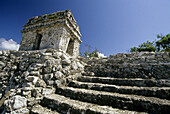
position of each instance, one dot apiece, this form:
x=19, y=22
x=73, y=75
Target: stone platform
x=52, y=82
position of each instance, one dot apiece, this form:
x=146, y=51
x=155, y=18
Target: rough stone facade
x=41, y=81
x=48, y=77
x=143, y=64
x=57, y=30
x=29, y=75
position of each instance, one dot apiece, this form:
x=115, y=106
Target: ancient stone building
x=57, y=30
x=49, y=81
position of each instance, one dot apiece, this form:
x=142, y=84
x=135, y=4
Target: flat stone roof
x=57, y=17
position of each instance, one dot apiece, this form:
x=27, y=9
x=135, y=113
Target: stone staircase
x=108, y=95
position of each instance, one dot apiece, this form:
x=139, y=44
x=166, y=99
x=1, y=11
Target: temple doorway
x=37, y=42
x=70, y=47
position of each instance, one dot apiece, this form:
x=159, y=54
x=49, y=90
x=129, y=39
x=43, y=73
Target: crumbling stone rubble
x=47, y=76
x=140, y=65
x=30, y=75
x=53, y=82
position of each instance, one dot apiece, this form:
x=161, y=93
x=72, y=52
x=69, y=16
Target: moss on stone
x=39, y=18
x=50, y=16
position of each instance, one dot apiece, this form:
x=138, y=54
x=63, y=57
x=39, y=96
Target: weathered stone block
x=36, y=92
x=32, y=79
x=16, y=102
x=46, y=91
x=74, y=65
x=58, y=75
x=66, y=62
x=21, y=111
x=40, y=83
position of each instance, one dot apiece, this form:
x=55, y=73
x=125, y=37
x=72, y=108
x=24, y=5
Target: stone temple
x=57, y=30
x=49, y=81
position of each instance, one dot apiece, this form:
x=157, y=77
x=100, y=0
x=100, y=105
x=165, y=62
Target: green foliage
x=53, y=15
x=146, y=46
x=39, y=18
x=30, y=20
x=50, y=16
x=56, y=16
x=93, y=53
x=164, y=43
x=44, y=16
x=85, y=54
x=133, y=49
x=161, y=45
x=88, y=53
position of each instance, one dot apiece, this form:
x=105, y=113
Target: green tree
x=133, y=49
x=164, y=43
x=94, y=53
x=146, y=46
x=89, y=52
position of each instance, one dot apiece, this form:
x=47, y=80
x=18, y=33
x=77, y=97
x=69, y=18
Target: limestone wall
x=28, y=39
x=51, y=37
x=54, y=30
x=29, y=75
x=142, y=65
x=65, y=38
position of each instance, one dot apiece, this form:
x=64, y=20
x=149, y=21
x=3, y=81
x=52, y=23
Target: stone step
x=160, y=92
x=115, y=76
x=66, y=105
x=126, y=81
x=116, y=100
x=38, y=109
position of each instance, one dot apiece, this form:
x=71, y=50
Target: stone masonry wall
x=54, y=30
x=142, y=65
x=26, y=76
x=51, y=38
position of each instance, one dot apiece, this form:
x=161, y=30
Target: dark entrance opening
x=37, y=42
x=70, y=47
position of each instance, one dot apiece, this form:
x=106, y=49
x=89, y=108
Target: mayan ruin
x=47, y=75
x=58, y=31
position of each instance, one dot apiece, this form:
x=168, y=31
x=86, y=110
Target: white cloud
x=8, y=44
x=101, y=55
